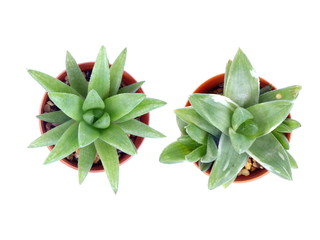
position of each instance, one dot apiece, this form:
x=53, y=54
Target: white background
x=174, y=46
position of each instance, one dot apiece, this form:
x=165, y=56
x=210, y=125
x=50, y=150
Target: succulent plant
x=222, y=131
x=95, y=117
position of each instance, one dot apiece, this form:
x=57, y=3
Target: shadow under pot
x=215, y=85
x=48, y=106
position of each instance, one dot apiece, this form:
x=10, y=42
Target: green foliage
x=222, y=131
x=95, y=116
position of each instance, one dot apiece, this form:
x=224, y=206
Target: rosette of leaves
x=222, y=131
x=95, y=117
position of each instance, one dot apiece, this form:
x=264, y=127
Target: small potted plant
x=236, y=127
x=94, y=114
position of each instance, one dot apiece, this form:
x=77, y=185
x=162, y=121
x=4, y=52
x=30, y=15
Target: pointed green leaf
x=110, y=162
x=117, y=138
x=119, y=105
x=75, y=76
x=196, y=154
x=242, y=83
x=54, y=117
x=227, y=73
x=292, y=124
x=140, y=129
x=66, y=144
x=93, y=101
x=188, y=142
x=249, y=128
x=189, y=115
x=100, y=77
x=70, y=104
x=197, y=134
x=240, y=115
x=51, y=137
x=103, y=122
x=132, y=88
x=292, y=161
x=288, y=93
x=204, y=166
x=142, y=108
x=273, y=157
x=87, y=134
x=89, y=117
x=216, y=109
x=116, y=72
x=212, y=151
x=174, y=153
x=181, y=125
x=51, y=84
x=283, y=128
x=282, y=139
x=269, y=115
x=227, y=165
x=240, y=143
x=227, y=184
x=85, y=161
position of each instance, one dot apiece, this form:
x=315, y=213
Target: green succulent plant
x=95, y=116
x=222, y=131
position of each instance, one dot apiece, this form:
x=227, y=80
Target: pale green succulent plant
x=95, y=116
x=222, y=131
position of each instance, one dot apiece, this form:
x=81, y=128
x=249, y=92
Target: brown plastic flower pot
x=207, y=87
x=127, y=79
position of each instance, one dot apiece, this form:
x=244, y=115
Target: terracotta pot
x=209, y=85
x=127, y=79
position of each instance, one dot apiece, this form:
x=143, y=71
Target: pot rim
x=127, y=79
x=207, y=86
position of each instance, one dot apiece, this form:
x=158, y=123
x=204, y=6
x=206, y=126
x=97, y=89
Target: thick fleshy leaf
x=292, y=161
x=249, y=128
x=293, y=124
x=288, y=93
x=116, y=72
x=75, y=76
x=269, y=115
x=216, y=109
x=117, y=138
x=87, y=134
x=227, y=184
x=189, y=115
x=239, y=116
x=51, y=84
x=242, y=83
x=110, y=162
x=282, y=139
x=70, y=104
x=119, y=105
x=204, y=166
x=103, y=122
x=51, y=137
x=174, y=153
x=140, y=129
x=142, y=108
x=181, y=125
x=283, y=128
x=227, y=164
x=196, y=154
x=241, y=143
x=85, y=161
x=227, y=73
x=66, y=145
x=132, y=88
x=93, y=101
x=188, y=142
x=271, y=155
x=100, y=77
x=212, y=151
x=89, y=117
x=197, y=134
x=54, y=117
